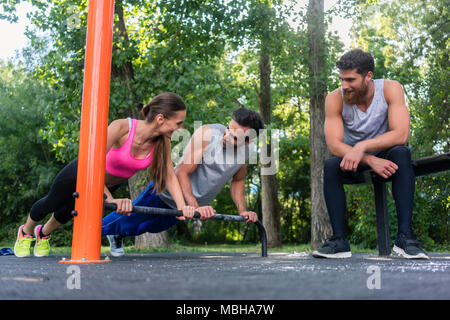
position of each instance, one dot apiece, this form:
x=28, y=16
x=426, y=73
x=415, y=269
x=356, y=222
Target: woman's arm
x=192, y=157
x=116, y=130
x=174, y=188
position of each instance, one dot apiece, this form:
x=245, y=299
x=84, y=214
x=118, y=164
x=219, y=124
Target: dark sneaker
x=335, y=248
x=116, y=245
x=407, y=246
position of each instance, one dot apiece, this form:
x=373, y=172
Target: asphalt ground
x=226, y=276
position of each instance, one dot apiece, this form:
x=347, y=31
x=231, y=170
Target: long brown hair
x=167, y=104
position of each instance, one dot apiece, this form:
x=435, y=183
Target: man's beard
x=355, y=95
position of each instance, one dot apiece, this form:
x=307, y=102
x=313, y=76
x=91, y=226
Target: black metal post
x=384, y=246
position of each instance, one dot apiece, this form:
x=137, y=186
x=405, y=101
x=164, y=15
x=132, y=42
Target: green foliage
x=409, y=41
x=7, y=11
x=361, y=217
x=294, y=173
x=208, y=52
x=27, y=167
x=430, y=218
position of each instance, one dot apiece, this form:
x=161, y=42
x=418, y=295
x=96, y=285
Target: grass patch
x=192, y=247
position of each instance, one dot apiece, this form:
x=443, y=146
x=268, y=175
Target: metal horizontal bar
x=179, y=213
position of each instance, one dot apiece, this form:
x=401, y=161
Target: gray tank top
x=359, y=125
x=218, y=166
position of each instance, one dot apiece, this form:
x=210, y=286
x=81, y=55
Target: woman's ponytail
x=167, y=104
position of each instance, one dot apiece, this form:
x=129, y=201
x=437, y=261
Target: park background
x=276, y=57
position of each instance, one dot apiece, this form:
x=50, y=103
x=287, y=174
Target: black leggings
x=60, y=198
x=402, y=189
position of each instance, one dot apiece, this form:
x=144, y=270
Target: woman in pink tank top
x=132, y=145
x=135, y=145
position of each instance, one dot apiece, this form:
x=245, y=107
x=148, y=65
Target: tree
x=320, y=225
x=27, y=163
x=263, y=13
x=263, y=28
x=122, y=75
x=269, y=191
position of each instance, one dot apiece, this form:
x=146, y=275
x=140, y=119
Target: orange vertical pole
x=86, y=242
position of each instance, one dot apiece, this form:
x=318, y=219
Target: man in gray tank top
x=367, y=125
x=216, y=154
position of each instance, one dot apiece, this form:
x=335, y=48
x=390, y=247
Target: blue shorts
x=139, y=223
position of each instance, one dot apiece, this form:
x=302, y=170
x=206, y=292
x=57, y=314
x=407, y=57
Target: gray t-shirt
x=217, y=167
x=359, y=125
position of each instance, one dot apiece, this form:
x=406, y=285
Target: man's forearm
x=186, y=188
x=340, y=149
x=237, y=194
x=383, y=142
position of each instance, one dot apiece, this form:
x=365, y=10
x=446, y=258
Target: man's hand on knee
x=352, y=159
x=383, y=167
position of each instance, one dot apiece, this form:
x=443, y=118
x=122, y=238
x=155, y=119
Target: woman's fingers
x=188, y=211
x=124, y=206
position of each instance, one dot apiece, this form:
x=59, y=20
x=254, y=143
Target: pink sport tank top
x=120, y=162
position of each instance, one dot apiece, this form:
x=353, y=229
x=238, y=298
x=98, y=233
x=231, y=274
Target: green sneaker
x=42, y=246
x=22, y=247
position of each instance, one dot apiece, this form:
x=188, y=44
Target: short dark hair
x=248, y=118
x=356, y=59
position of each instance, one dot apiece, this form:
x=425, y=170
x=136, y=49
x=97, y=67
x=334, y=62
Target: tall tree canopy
x=210, y=52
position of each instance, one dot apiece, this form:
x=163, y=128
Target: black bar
x=384, y=247
x=432, y=164
x=421, y=167
x=179, y=213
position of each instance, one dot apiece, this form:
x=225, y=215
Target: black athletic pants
x=402, y=189
x=60, y=199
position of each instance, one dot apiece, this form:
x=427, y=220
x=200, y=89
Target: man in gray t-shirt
x=215, y=155
x=367, y=125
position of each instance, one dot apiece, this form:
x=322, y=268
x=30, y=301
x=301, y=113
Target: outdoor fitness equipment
x=179, y=213
x=87, y=226
x=86, y=242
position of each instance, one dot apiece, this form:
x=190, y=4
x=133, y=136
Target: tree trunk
x=125, y=74
x=152, y=240
x=137, y=184
x=269, y=191
x=320, y=223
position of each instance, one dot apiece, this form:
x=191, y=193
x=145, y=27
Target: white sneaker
x=116, y=245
